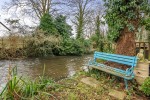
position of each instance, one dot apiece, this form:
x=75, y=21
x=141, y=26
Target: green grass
x=23, y=88
x=44, y=88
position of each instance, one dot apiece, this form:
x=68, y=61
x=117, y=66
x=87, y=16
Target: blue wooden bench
x=127, y=74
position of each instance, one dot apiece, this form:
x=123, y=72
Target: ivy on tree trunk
x=126, y=43
x=124, y=17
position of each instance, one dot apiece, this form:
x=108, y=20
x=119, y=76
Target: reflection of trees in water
x=70, y=65
x=56, y=67
x=75, y=63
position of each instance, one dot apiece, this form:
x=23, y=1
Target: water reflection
x=57, y=67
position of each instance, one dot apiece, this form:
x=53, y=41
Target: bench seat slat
x=114, y=60
x=108, y=67
x=112, y=71
x=115, y=55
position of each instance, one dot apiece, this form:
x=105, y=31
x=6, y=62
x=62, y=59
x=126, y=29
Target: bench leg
x=126, y=83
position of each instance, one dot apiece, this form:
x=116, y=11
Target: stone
x=117, y=94
x=142, y=65
x=141, y=72
x=90, y=81
x=140, y=79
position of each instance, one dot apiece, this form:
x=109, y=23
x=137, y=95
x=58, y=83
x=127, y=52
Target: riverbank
x=41, y=45
x=77, y=90
x=73, y=89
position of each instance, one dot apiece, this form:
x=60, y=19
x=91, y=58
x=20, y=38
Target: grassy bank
x=19, y=88
x=80, y=91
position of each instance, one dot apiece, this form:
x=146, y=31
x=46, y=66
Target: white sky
x=6, y=15
x=2, y=17
x=23, y=19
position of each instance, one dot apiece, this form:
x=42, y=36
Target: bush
x=63, y=28
x=108, y=48
x=41, y=45
x=87, y=46
x=48, y=25
x=94, y=38
x=146, y=86
x=12, y=47
x=72, y=47
x=98, y=42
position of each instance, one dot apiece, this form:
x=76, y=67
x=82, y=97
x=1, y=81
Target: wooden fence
x=145, y=46
x=139, y=45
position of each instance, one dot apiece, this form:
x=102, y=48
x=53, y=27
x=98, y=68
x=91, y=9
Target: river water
x=56, y=67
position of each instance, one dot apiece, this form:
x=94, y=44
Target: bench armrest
x=129, y=71
x=91, y=61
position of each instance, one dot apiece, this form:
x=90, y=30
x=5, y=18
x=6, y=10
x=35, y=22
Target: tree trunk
x=126, y=43
x=125, y=46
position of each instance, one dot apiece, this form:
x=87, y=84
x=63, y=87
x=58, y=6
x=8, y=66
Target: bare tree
x=79, y=10
x=17, y=28
x=36, y=8
x=83, y=15
x=97, y=10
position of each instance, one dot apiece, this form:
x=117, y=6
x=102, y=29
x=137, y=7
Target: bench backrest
x=127, y=60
